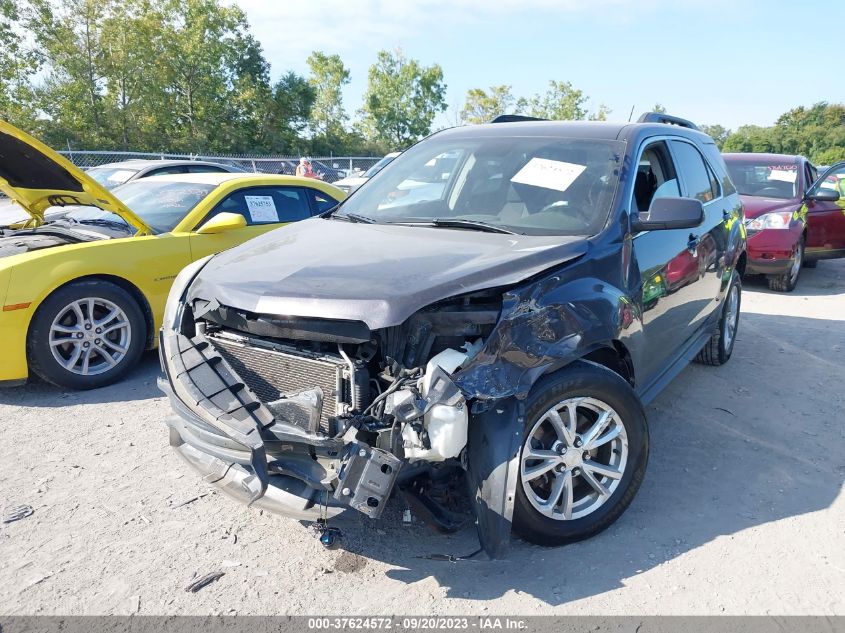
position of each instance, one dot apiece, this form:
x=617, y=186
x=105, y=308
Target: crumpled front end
x=308, y=417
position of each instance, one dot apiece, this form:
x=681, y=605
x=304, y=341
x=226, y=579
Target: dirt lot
x=742, y=510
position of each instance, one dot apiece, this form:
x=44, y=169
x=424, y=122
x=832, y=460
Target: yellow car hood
x=36, y=177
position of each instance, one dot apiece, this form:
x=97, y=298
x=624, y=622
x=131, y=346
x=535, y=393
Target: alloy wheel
x=573, y=458
x=731, y=316
x=90, y=336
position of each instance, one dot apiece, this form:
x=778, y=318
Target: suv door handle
x=693, y=242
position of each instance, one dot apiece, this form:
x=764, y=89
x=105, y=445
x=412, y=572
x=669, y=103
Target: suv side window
x=164, y=171
x=265, y=205
x=204, y=169
x=656, y=177
x=696, y=175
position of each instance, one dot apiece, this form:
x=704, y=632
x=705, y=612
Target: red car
x=790, y=221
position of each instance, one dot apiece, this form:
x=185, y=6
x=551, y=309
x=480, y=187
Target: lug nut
x=576, y=471
x=96, y=341
x=80, y=335
x=561, y=468
x=362, y=453
x=86, y=344
x=578, y=442
x=99, y=330
x=346, y=492
x=87, y=326
x=585, y=456
x=561, y=450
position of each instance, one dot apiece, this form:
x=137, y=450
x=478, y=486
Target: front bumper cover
x=222, y=430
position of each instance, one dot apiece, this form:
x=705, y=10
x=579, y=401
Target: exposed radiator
x=273, y=373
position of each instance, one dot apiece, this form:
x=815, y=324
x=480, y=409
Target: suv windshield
x=523, y=184
x=764, y=179
x=162, y=205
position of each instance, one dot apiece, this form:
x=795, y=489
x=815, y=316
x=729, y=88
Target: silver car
x=111, y=175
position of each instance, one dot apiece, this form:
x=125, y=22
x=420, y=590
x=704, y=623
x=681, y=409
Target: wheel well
x=616, y=358
x=740, y=263
x=129, y=287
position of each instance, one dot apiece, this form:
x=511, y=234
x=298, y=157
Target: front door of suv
x=679, y=268
x=825, y=218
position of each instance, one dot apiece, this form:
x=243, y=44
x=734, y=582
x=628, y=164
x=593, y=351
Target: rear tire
x=85, y=335
x=719, y=348
x=594, y=475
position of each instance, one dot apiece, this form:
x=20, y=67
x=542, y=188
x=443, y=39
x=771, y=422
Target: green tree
x=288, y=113
x=328, y=77
x=561, y=102
x=482, y=106
x=70, y=37
x=204, y=45
x=751, y=138
x=402, y=99
x=659, y=108
x=130, y=43
x=17, y=64
x=718, y=133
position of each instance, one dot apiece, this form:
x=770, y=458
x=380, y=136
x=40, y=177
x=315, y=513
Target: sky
x=711, y=61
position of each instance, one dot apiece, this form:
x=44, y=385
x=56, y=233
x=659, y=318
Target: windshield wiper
x=354, y=217
x=479, y=225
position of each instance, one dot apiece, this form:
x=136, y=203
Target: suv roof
x=579, y=129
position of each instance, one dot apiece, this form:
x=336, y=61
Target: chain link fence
x=332, y=168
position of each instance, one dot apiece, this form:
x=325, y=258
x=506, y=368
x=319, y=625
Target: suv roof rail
x=512, y=118
x=660, y=117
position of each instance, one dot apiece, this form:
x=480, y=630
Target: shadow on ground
x=140, y=385
x=732, y=448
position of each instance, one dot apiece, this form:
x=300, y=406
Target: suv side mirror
x=670, y=213
x=823, y=194
x=222, y=222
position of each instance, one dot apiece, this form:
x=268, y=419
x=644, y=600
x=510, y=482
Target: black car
x=495, y=330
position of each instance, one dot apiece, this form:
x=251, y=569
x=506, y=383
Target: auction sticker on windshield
x=262, y=208
x=784, y=175
x=549, y=174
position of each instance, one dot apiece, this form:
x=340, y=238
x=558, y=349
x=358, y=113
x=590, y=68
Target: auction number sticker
x=549, y=174
x=262, y=208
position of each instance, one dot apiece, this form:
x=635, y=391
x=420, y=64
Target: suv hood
x=754, y=206
x=36, y=177
x=376, y=273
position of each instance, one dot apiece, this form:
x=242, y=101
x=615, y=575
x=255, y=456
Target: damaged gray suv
x=488, y=314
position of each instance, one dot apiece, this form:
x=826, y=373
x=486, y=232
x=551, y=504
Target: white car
x=351, y=183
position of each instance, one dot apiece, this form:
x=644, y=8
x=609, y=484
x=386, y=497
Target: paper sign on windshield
x=550, y=174
x=783, y=175
x=262, y=208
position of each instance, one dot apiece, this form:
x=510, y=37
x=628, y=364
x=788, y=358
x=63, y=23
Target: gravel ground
x=741, y=511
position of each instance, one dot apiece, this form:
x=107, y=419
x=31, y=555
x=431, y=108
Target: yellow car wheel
x=85, y=335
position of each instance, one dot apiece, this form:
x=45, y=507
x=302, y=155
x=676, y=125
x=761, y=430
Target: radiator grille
x=272, y=374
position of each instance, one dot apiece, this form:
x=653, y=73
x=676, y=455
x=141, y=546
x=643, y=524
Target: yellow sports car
x=82, y=291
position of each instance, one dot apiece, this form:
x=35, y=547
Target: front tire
x=85, y=335
x=787, y=281
x=583, y=457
